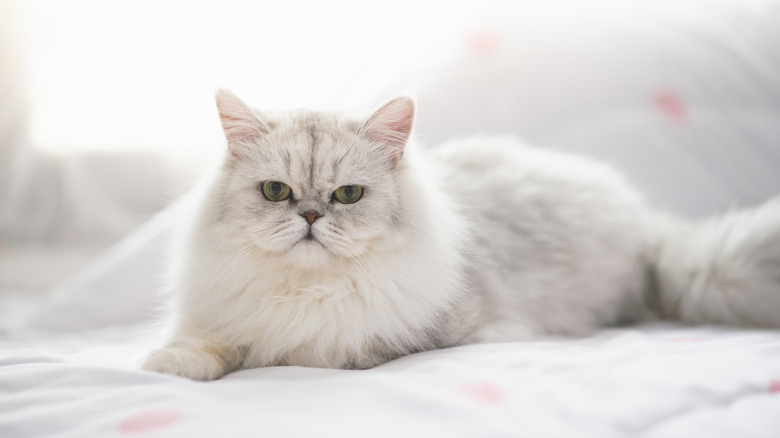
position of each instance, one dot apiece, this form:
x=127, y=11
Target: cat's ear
x=391, y=125
x=242, y=127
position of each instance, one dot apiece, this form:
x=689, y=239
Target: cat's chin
x=310, y=254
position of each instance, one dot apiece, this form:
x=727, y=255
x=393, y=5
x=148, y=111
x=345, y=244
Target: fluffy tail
x=722, y=271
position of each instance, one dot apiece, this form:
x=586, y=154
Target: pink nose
x=311, y=216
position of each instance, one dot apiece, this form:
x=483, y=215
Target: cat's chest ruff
x=321, y=319
x=306, y=288
x=311, y=303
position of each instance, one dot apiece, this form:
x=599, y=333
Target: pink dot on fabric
x=774, y=386
x=672, y=106
x=485, y=393
x=483, y=42
x=150, y=420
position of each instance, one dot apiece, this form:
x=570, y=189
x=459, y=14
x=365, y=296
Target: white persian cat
x=332, y=241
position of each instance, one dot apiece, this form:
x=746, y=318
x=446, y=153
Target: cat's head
x=314, y=188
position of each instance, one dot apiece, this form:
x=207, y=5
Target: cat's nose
x=311, y=216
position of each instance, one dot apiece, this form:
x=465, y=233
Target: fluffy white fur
x=476, y=240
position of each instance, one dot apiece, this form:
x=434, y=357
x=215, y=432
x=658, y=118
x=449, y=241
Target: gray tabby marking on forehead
x=328, y=140
x=287, y=160
x=313, y=143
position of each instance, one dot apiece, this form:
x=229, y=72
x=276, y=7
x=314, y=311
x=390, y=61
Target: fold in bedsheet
x=648, y=382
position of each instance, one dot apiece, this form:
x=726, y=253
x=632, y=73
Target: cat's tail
x=725, y=270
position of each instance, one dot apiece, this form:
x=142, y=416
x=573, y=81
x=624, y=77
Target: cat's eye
x=348, y=194
x=276, y=191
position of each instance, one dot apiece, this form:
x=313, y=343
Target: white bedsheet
x=651, y=381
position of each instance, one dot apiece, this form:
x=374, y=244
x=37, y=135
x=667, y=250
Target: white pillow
x=684, y=99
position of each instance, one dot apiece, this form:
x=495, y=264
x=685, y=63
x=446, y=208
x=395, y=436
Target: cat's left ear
x=391, y=125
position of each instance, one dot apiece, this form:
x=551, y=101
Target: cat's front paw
x=186, y=362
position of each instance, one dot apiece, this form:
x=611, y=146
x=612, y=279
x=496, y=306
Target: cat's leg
x=194, y=358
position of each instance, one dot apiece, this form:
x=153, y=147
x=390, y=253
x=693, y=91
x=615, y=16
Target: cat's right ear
x=242, y=127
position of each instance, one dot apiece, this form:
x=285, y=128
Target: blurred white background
x=107, y=114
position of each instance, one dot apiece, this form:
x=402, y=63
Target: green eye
x=276, y=191
x=348, y=194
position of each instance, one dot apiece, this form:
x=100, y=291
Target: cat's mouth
x=310, y=252
x=309, y=238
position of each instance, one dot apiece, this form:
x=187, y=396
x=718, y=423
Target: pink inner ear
x=238, y=129
x=392, y=124
x=241, y=126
